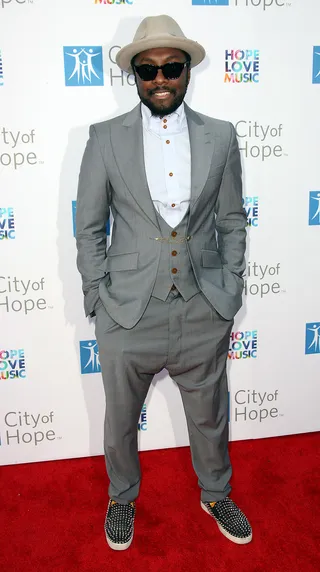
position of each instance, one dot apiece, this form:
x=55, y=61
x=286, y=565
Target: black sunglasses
x=148, y=72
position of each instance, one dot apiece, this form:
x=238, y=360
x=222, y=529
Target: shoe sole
x=227, y=534
x=117, y=546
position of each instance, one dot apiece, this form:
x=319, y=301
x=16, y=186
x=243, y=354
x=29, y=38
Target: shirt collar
x=176, y=122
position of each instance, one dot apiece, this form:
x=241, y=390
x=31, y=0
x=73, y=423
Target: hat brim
x=125, y=55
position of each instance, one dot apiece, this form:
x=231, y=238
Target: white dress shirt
x=167, y=160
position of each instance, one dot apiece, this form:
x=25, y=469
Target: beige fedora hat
x=159, y=32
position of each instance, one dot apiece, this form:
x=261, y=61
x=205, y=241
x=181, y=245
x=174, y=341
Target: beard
x=162, y=108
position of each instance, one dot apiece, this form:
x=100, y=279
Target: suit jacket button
x=174, y=270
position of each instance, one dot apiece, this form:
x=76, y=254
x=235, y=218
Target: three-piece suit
x=163, y=297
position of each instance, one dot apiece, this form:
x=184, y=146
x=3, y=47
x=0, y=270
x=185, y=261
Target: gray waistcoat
x=174, y=255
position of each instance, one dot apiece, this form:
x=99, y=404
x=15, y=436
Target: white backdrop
x=52, y=401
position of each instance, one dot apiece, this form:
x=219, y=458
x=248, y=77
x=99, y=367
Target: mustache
x=157, y=89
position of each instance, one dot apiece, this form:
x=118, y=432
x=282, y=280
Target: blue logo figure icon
x=313, y=338
x=83, y=66
x=316, y=65
x=74, y=215
x=89, y=357
x=314, y=208
x=210, y=2
x=74, y=219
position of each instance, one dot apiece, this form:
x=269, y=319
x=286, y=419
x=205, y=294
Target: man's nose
x=160, y=79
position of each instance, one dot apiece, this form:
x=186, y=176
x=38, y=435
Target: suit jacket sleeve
x=93, y=211
x=231, y=220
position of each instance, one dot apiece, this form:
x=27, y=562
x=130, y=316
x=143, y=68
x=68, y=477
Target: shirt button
x=165, y=126
x=173, y=205
x=174, y=253
x=170, y=174
x=174, y=270
x=167, y=141
x=174, y=233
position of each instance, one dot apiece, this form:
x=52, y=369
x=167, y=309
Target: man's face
x=162, y=96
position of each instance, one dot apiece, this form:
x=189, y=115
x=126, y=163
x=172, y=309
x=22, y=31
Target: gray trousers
x=191, y=341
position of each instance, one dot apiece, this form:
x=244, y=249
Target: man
x=166, y=292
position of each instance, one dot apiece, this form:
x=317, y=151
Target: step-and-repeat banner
x=57, y=76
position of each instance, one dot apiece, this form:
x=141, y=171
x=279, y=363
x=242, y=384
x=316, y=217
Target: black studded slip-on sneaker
x=230, y=520
x=119, y=524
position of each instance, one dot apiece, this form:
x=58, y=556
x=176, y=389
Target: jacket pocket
x=210, y=259
x=117, y=262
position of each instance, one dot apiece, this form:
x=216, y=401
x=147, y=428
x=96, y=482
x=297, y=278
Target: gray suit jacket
x=112, y=177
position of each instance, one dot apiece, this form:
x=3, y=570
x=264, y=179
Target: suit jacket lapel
x=127, y=141
x=202, y=149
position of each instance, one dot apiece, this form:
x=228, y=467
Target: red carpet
x=53, y=513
